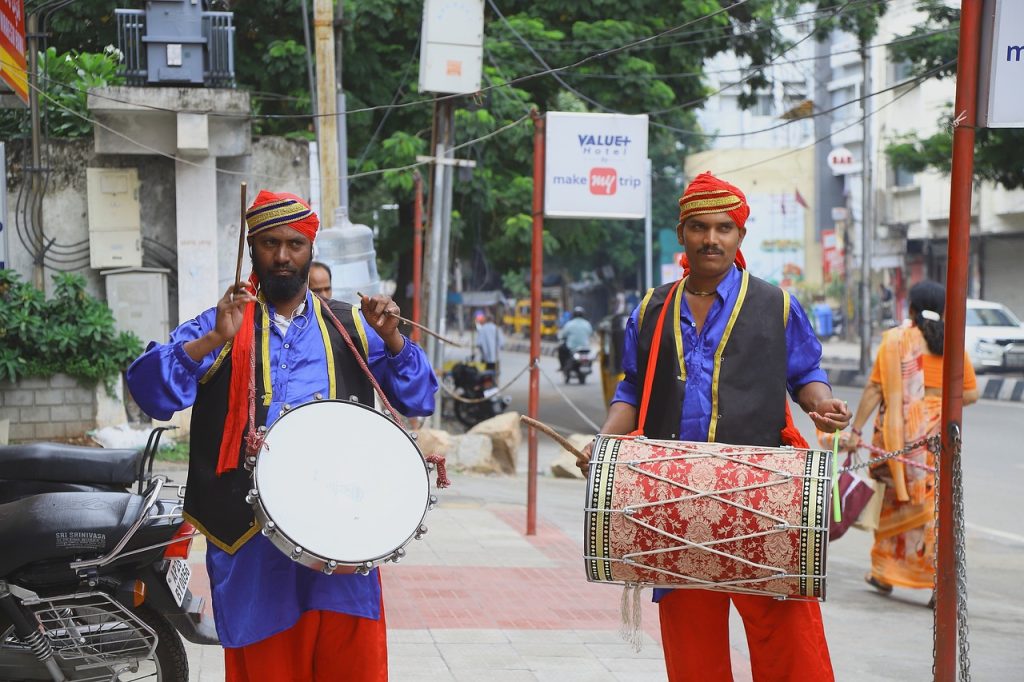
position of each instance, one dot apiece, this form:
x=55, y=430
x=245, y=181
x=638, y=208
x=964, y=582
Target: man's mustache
x=706, y=251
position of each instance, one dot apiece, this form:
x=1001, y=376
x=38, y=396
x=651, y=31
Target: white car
x=994, y=337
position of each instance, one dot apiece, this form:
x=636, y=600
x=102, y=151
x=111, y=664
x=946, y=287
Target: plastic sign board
x=13, y=69
x=452, y=46
x=1001, y=97
x=841, y=161
x=595, y=166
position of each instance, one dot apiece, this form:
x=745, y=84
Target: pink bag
x=855, y=492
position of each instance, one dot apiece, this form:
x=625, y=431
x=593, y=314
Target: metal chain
x=933, y=443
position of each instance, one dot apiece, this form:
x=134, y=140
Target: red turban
x=708, y=194
x=268, y=211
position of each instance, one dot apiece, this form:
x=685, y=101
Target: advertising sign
x=840, y=160
x=1001, y=99
x=595, y=166
x=12, y=47
x=774, y=245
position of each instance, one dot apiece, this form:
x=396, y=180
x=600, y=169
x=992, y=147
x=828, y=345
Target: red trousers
x=786, y=638
x=322, y=647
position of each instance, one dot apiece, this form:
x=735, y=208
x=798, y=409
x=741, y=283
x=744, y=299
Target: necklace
x=700, y=293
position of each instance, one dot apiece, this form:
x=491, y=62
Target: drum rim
x=263, y=517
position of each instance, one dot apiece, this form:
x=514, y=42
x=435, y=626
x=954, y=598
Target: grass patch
x=175, y=453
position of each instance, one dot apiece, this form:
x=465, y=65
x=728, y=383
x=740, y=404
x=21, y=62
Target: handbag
x=856, y=493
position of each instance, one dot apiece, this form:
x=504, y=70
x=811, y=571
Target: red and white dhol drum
x=751, y=520
x=340, y=487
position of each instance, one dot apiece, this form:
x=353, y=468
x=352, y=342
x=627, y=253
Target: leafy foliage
x=71, y=333
x=65, y=80
x=996, y=153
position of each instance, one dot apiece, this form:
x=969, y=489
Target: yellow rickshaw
x=611, y=334
x=517, y=319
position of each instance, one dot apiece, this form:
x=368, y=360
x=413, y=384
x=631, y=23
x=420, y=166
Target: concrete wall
x=47, y=409
x=275, y=163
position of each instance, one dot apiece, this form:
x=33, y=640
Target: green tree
x=996, y=151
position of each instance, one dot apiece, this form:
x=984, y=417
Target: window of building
x=901, y=177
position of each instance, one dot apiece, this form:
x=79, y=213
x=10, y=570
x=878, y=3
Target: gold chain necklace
x=699, y=293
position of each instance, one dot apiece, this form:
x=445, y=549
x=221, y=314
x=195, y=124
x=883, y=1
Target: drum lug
x=433, y=502
x=252, y=496
x=628, y=511
x=397, y=556
x=329, y=567
x=414, y=435
x=430, y=466
x=364, y=568
x=296, y=553
x=318, y=396
x=250, y=463
x=269, y=529
x=420, y=532
x=261, y=429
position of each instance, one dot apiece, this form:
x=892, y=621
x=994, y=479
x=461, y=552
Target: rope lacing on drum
x=438, y=460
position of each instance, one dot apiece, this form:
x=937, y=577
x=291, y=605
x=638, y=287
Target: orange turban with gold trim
x=708, y=194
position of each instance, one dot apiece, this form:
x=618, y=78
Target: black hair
x=318, y=264
x=928, y=296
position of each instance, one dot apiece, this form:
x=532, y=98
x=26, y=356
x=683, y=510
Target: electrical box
x=451, y=47
x=115, y=236
x=138, y=299
x=174, y=41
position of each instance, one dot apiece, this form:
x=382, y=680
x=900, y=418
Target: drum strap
x=652, y=361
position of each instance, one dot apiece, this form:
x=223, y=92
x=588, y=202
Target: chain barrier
x=933, y=443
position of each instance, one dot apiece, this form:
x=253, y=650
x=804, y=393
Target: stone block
x=564, y=466
x=34, y=415
x=16, y=397
x=79, y=396
x=506, y=436
x=474, y=452
x=51, y=430
x=50, y=396
x=64, y=413
x=87, y=413
x=434, y=441
x=63, y=381
x=11, y=413
x=21, y=432
x=75, y=429
x=32, y=382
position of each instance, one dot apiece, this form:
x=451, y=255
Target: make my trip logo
x=603, y=181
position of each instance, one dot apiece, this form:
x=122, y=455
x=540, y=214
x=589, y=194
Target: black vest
x=216, y=504
x=749, y=387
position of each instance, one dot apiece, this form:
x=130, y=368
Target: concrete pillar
x=195, y=199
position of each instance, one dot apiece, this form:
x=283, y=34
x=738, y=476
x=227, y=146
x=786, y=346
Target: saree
x=904, y=549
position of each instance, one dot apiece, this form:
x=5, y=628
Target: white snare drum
x=340, y=487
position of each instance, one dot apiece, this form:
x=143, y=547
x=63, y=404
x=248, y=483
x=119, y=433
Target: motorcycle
x=576, y=363
x=478, y=386
x=94, y=583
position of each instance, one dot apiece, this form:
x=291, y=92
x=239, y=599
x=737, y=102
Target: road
x=872, y=637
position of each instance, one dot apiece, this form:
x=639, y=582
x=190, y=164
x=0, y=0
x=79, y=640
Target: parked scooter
x=576, y=363
x=478, y=386
x=94, y=578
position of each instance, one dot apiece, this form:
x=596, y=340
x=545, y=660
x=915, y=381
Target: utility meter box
x=451, y=47
x=138, y=299
x=174, y=41
x=115, y=237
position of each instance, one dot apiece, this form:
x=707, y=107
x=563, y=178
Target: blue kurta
x=258, y=591
x=802, y=348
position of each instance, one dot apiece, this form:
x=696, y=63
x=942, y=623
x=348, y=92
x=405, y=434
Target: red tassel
x=790, y=435
x=442, y=471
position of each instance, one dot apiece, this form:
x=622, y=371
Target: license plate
x=490, y=392
x=178, y=575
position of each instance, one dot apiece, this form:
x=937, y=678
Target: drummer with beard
x=268, y=346
x=743, y=343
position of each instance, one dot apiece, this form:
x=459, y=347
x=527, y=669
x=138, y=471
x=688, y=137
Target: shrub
x=71, y=333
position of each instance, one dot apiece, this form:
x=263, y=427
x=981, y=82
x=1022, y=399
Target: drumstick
x=241, y=238
x=418, y=326
x=554, y=435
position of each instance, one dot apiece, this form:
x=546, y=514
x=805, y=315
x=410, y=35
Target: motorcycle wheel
x=568, y=376
x=169, y=662
x=468, y=414
x=583, y=378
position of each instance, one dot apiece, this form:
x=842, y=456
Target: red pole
x=536, y=270
x=417, y=253
x=961, y=179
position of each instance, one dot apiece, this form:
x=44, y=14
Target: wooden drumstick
x=417, y=325
x=241, y=237
x=551, y=433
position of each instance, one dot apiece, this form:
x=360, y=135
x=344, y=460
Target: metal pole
x=433, y=266
x=536, y=281
x=648, y=232
x=37, y=155
x=867, y=227
x=4, y=225
x=448, y=109
x=961, y=178
x=417, y=252
x=339, y=98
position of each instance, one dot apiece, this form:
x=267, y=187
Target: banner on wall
x=13, y=69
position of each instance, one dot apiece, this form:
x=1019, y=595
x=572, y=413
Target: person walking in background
x=906, y=388
x=574, y=335
x=489, y=341
x=320, y=280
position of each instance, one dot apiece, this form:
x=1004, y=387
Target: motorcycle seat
x=61, y=463
x=63, y=525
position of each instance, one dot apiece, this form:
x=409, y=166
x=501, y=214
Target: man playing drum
x=268, y=346
x=744, y=342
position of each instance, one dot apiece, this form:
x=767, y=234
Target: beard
x=282, y=287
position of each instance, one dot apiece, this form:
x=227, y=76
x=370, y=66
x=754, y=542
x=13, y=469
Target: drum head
x=342, y=481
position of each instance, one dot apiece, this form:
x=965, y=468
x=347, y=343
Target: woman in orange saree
x=906, y=388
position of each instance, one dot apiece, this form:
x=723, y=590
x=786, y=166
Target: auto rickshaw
x=611, y=336
x=517, y=320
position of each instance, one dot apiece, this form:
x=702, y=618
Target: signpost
x=13, y=69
